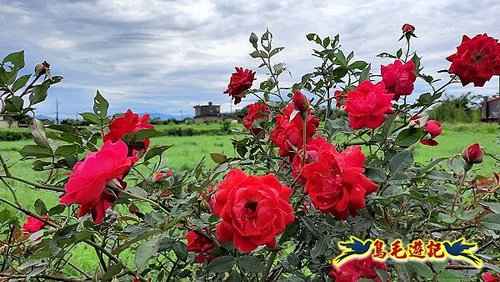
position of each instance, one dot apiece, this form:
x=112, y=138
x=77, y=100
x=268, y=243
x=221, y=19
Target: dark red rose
x=239, y=83
x=488, y=277
x=254, y=210
x=130, y=123
x=398, y=78
x=473, y=154
x=89, y=181
x=257, y=111
x=408, y=28
x=355, y=269
x=340, y=96
x=200, y=245
x=161, y=175
x=300, y=101
x=288, y=134
x=434, y=129
x=33, y=225
x=336, y=183
x=476, y=59
x=368, y=104
x=312, y=156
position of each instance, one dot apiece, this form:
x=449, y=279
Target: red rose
x=240, y=82
x=488, y=277
x=311, y=156
x=300, y=101
x=408, y=28
x=87, y=185
x=340, y=96
x=33, y=225
x=257, y=111
x=434, y=129
x=288, y=134
x=130, y=123
x=473, y=154
x=367, y=105
x=335, y=182
x=476, y=59
x=160, y=175
x=355, y=269
x=254, y=210
x=200, y=245
x=399, y=78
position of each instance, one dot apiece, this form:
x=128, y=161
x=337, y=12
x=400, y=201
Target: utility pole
x=57, y=110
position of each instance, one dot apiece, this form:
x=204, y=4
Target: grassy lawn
x=188, y=150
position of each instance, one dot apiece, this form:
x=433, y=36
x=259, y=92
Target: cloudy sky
x=167, y=56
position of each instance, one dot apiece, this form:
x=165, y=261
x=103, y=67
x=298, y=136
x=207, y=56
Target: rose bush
x=275, y=209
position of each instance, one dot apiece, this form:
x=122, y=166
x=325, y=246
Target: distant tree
x=464, y=108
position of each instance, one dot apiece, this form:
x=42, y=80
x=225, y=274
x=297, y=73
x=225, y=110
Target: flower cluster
x=357, y=268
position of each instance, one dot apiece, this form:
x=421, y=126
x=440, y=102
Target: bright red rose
x=399, y=78
x=160, y=175
x=408, y=28
x=200, y=245
x=254, y=210
x=311, y=156
x=476, y=59
x=256, y=111
x=33, y=225
x=130, y=123
x=434, y=129
x=473, y=154
x=340, y=96
x=355, y=269
x=336, y=183
x=239, y=83
x=87, y=185
x=300, y=101
x=288, y=134
x=367, y=105
x=488, y=277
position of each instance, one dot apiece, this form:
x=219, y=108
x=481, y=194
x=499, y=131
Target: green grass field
x=187, y=152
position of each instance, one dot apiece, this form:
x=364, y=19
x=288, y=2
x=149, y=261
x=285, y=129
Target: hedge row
x=7, y=135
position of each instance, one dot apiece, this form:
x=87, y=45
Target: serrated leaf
x=101, y=105
x=20, y=82
x=320, y=247
x=35, y=151
x=409, y=136
x=156, y=151
x=91, y=117
x=113, y=270
x=401, y=161
x=221, y=264
x=450, y=276
x=40, y=207
x=420, y=269
x=491, y=221
x=144, y=252
x=376, y=174
x=494, y=207
x=39, y=93
x=180, y=250
x=251, y=264
x=218, y=157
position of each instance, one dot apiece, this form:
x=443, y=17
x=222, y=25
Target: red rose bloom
x=200, y=245
x=335, y=182
x=367, y=104
x=399, y=78
x=87, y=184
x=340, y=96
x=311, y=156
x=288, y=134
x=488, y=277
x=130, y=123
x=240, y=82
x=160, y=175
x=355, y=269
x=408, y=28
x=300, y=101
x=434, y=129
x=476, y=59
x=254, y=210
x=473, y=154
x=33, y=225
x=257, y=111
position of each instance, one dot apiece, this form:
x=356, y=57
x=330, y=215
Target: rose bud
x=42, y=68
x=253, y=39
x=473, y=154
x=408, y=28
x=300, y=101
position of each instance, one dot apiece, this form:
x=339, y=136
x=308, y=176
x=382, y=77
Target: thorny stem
x=459, y=191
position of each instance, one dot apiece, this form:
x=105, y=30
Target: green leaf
x=251, y=264
x=144, y=252
x=35, y=151
x=401, y=161
x=39, y=93
x=420, y=269
x=365, y=74
x=234, y=277
x=341, y=59
x=259, y=54
x=360, y=65
x=101, y=106
x=180, y=250
x=494, y=207
x=66, y=150
x=446, y=218
x=16, y=58
x=56, y=209
x=450, y=276
x=409, y=136
x=112, y=272
x=376, y=174
x=320, y=247
x=20, y=82
x=40, y=207
x=491, y=221
x=439, y=265
x=38, y=131
x=156, y=151
x=91, y=117
x=14, y=104
x=221, y=264
x=276, y=51
x=218, y=158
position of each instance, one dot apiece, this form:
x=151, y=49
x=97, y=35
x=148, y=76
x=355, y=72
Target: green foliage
x=464, y=108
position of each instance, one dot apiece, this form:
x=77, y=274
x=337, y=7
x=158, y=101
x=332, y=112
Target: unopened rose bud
x=473, y=154
x=300, y=101
x=408, y=28
x=42, y=68
x=253, y=39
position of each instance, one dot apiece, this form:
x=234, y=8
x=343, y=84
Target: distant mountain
x=45, y=117
x=169, y=116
